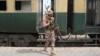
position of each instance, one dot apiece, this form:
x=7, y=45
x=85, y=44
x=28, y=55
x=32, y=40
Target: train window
x=23, y=5
x=93, y=13
x=3, y=6
x=18, y=5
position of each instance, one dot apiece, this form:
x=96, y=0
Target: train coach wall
x=18, y=22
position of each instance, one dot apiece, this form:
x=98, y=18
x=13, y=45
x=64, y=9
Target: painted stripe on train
x=79, y=6
x=61, y=6
x=11, y=8
x=34, y=5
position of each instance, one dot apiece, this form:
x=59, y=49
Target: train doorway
x=70, y=15
x=93, y=13
x=44, y=5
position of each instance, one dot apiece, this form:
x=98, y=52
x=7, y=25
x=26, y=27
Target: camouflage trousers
x=50, y=37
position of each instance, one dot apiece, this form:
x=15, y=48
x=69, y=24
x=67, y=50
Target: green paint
x=92, y=30
x=26, y=23
x=80, y=27
x=62, y=22
x=79, y=23
x=18, y=22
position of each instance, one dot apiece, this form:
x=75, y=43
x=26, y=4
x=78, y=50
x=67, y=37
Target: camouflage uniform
x=50, y=36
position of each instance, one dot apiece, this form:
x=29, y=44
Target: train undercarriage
x=29, y=40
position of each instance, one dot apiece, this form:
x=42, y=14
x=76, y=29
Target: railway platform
x=60, y=51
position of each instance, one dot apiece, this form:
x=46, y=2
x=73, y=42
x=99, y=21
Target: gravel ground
x=60, y=51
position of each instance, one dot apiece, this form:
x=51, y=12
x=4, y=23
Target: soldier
x=48, y=24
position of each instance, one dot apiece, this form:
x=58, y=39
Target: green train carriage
x=23, y=19
x=18, y=22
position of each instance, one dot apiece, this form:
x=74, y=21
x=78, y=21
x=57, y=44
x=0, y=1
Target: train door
x=43, y=4
x=93, y=13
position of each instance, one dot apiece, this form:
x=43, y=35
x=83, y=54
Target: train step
x=64, y=40
x=91, y=44
x=96, y=39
